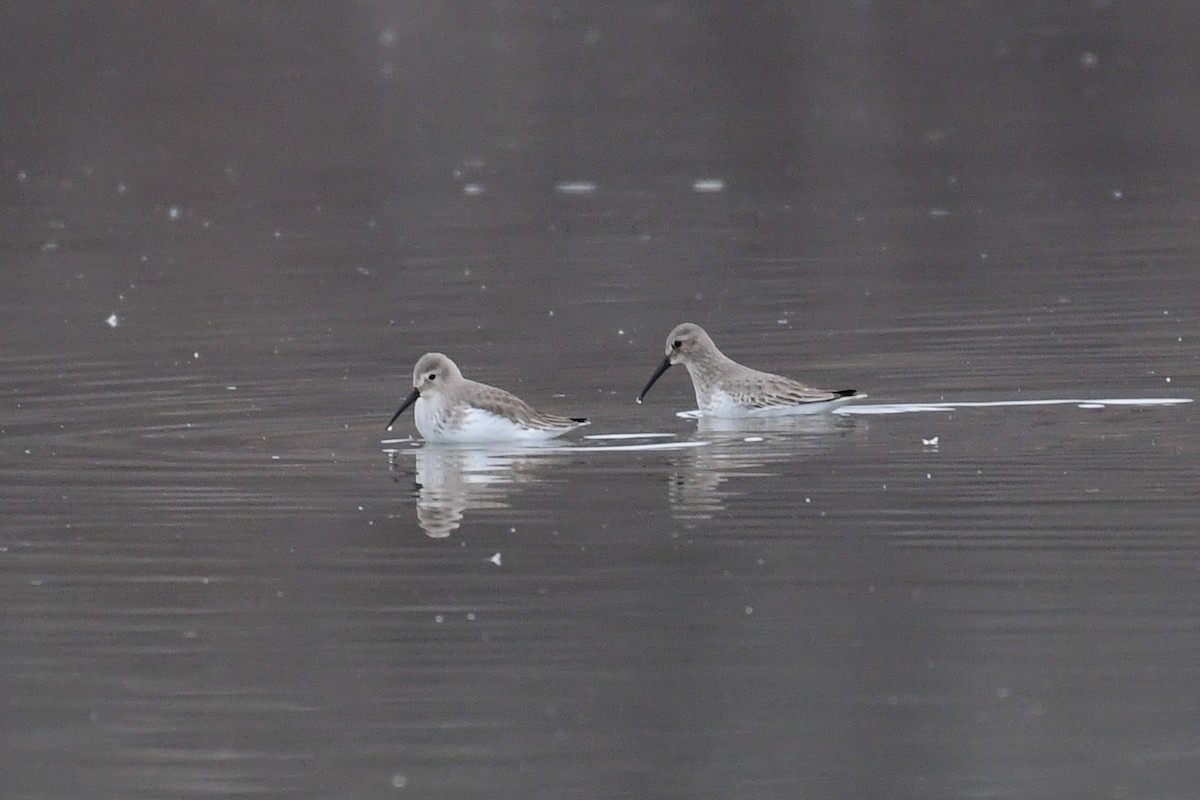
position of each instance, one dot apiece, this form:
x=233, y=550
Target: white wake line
x=508, y=449
x=617, y=448
x=911, y=408
x=603, y=436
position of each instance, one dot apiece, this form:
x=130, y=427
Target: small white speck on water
x=1089, y=60
x=928, y=476
x=360, y=508
x=274, y=458
x=278, y=234
x=574, y=187
x=49, y=247
x=36, y=581
x=196, y=354
x=552, y=314
x=753, y=439
x=472, y=189
x=439, y=619
x=22, y=175
x=113, y=321
x=495, y=559
x=931, y=442
x=749, y=610
x=231, y=388
x=1168, y=380
x=808, y=499
x=708, y=185
x=174, y=212
x=122, y=188
x=399, y=781
x=470, y=616
x=387, y=37
x=27, y=451
x=620, y=332
x=1116, y=194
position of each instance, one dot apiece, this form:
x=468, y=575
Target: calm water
x=228, y=231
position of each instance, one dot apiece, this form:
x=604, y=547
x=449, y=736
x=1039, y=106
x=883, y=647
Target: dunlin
x=450, y=408
x=725, y=388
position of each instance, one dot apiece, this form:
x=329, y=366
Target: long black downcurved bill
x=408, y=401
x=663, y=367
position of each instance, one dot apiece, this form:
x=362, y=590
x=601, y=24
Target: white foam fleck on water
x=574, y=187
x=495, y=559
x=708, y=185
x=472, y=189
x=113, y=321
x=931, y=442
x=753, y=439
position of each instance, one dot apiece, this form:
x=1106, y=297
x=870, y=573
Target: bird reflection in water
x=452, y=480
x=745, y=448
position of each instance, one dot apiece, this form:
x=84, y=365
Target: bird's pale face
x=686, y=342
x=432, y=372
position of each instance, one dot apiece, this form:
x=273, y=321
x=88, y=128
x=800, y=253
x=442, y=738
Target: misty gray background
x=214, y=582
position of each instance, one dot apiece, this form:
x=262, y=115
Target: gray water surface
x=229, y=230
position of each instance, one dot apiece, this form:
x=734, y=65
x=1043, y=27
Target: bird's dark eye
x=433, y=376
x=675, y=345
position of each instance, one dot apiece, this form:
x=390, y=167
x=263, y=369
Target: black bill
x=408, y=401
x=663, y=367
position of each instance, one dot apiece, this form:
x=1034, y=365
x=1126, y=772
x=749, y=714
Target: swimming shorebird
x=450, y=408
x=725, y=388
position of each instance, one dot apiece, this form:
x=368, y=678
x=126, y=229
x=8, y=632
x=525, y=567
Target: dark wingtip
x=581, y=420
x=845, y=392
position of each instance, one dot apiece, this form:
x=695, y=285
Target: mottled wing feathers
x=502, y=403
x=766, y=390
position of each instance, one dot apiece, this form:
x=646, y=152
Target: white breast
x=466, y=425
